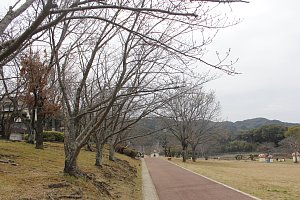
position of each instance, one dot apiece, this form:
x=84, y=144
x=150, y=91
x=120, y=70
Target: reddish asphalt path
x=174, y=183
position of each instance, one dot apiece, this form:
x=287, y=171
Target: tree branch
x=11, y=15
x=143, y=10
x=15, y=44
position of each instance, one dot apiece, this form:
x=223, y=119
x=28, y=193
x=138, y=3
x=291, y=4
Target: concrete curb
x=215, y=181
x=149, y=191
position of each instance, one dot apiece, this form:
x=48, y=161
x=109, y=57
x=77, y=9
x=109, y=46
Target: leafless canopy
x=113, y=58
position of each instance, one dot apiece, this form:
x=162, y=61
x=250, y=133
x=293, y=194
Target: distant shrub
x=127, y=151
x=53, y=136
x=134, y=153
x=239, y=157
x=240, y=146
x=120, y=148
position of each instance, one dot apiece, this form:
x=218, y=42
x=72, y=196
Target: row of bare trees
x=107, y=64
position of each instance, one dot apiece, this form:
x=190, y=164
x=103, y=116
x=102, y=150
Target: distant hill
x=253, y=123
x=229, y=129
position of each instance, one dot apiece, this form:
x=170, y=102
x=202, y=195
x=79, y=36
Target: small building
x=16, y=137
x=262, y=157
x=265, y=158
x=12, y=112
x=154, y=154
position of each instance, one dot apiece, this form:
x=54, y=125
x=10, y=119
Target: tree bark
x=71, y=166
x=17, y=42
x=89, y=145
x=72, y=149
x=99, y=153
x=184, y=151
x=194, y=156
x=53, y=124
x=7, y=127
x=2, y=128
x=112, y=153
x=31, y=136
x=11, y=15
x=39, y=129
x=296, y=156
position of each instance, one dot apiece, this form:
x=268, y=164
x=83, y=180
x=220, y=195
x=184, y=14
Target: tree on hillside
x=125, y=71
x=104, y=51
x=37, y=92
x=268, y=133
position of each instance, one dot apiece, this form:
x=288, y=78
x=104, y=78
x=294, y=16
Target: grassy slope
x=276, y=181
x=38, y=174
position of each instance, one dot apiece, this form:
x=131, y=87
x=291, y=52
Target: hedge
x=127, y=151
x=53, y=136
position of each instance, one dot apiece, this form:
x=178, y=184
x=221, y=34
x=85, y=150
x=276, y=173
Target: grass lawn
x=276, y=181
x=38, y=174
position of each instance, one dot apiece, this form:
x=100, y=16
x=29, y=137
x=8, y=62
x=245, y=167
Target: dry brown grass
x=38, y=174
x=276, y=181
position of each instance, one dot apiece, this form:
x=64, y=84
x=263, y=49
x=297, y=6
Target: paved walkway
x=149, y=191
x=175, y=183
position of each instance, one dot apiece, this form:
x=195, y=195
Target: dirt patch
x=8, y=156
x=58, y=185
x=8, y=159
x=103, y=187
x=70, y=192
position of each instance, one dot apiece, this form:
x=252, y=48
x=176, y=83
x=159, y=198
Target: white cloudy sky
x=267, y=44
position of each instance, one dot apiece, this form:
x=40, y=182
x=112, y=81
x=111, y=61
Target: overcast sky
x=267, y=44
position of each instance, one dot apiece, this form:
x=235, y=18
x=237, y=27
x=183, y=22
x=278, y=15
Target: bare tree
x=206, y=110
x=48, y=13
x=131, y=47
x=190, y=114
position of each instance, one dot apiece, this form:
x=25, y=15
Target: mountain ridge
x=252, y=123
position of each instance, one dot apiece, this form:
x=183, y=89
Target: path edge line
x=244, y=193
x=146, y=174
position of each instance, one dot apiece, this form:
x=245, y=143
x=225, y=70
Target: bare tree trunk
x=184, y=151
x=194, y=156
x=71, y=166
x=71, y=150
x=32, y=127
x=39, y=129
x=296, y=156
x=112, y=152
x=7, y=127
x=166, y=151
x=53, y=124
x=90, y=145
x=99, y=153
